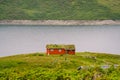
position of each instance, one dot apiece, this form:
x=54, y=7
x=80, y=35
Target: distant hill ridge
x=59, y=10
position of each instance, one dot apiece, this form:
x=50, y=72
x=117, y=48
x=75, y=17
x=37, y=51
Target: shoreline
x=60, y=22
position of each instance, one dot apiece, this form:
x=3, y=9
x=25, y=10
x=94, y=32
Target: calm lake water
x=27, y=39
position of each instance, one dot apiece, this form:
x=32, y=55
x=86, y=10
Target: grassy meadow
x=60, y=9
x=82, y=66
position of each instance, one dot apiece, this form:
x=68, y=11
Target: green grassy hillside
x=60, y=9
x=82, y=66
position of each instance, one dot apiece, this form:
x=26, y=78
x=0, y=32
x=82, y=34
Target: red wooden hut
x=60, y=49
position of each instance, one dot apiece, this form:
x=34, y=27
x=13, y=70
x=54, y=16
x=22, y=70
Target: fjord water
x=27, y=39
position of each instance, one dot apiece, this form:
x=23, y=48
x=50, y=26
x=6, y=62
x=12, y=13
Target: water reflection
x=26, y=39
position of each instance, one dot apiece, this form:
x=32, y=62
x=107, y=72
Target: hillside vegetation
x=82, y=66
x=60, y=9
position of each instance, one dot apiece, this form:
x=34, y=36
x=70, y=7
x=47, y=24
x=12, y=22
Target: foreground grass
x=82, y=66
x=60, y=9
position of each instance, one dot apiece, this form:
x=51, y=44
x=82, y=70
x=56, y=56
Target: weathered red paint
x=71, y=52
x=60, y=51
x=56, y=51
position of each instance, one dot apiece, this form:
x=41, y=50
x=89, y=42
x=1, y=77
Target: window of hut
x=60, y=50
x=51, y=49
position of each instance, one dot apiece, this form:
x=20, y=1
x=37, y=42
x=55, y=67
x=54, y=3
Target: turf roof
x=60, y=46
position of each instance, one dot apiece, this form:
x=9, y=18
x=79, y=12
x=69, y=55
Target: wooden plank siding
x=60, y=49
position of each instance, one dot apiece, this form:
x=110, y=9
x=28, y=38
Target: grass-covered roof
x=60, y=46
x=70, y=47
x=55, y=46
